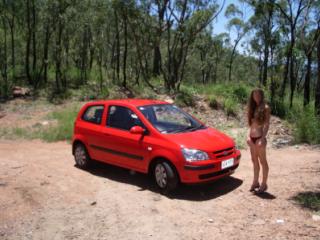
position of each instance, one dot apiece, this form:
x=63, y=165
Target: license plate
x=227, y=163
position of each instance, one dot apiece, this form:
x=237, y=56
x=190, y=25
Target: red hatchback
x=155, y=137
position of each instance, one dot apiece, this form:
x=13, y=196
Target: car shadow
x=198, y=192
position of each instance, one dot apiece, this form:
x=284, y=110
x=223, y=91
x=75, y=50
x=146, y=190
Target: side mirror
x=137, y=130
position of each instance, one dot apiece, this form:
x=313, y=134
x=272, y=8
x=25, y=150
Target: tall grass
x=306, y=124
x=65, y=122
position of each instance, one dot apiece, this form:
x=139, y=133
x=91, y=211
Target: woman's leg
x=264, y=164
x=255, y=161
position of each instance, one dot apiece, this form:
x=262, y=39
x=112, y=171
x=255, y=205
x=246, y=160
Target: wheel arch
x=75, y=142
x=161, y=158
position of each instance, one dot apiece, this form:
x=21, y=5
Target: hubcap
x=80, y=156
x=161, y=175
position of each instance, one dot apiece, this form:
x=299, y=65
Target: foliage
x=310, y=200
x=185, y=98
x=307, y=125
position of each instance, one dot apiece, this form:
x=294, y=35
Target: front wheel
x=165, y=176
x=81, y=156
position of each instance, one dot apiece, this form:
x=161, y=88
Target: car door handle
x=106, y=134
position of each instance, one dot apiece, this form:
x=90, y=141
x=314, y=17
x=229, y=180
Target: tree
x=237, y=23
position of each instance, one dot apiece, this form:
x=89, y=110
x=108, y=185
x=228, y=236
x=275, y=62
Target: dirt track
x=44, y=196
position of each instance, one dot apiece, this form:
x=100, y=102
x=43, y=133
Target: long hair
x=256, y=111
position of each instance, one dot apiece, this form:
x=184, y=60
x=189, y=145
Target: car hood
x=208, y=139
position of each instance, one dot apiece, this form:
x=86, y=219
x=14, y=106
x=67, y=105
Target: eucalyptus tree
x=291, y=10
x=237, y=24
x=263, y=23
x=310, y=35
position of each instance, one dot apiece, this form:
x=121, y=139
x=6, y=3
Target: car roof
x=131, y=101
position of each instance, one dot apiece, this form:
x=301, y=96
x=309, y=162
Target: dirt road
x=44, y=196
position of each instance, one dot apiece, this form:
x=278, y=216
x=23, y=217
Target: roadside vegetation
x=310, y=200
x=70, y=50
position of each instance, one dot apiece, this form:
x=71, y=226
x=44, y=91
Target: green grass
x=309, y=200
x=65, y=123
x=185, y=97
x=62, y=130
x=306, y=125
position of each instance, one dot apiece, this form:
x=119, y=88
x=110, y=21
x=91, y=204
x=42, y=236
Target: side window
x=93, y=114
x=122, y=118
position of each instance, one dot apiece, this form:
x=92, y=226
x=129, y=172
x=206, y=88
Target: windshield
x=167, y=118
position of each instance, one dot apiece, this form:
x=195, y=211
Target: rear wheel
x=165, y=176
x=81, y=156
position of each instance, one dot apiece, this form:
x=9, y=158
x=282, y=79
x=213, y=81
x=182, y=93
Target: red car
x=154, y=137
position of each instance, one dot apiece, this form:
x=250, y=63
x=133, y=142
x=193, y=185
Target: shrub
x=230, y=106
x=278, y=108
x=310, y=200
x=241, y=93
x=214, y=103
x=185, y=98
x=306, y=126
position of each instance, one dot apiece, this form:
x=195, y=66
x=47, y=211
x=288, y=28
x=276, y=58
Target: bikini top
x=255, y=118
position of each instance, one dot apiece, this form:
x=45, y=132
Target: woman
x=258, y=120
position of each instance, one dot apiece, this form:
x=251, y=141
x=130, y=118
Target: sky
x=220, y=25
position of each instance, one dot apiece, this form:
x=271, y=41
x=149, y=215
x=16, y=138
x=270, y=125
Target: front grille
x=223, y=153
x=215, y=174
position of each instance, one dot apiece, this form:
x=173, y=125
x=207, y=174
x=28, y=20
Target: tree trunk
x=12, y=29
x=156, y=61
x=265, y=64
x=317, y=94
x=45, y=54
x=117, y=49
x=124, y=70
x=4, y=72
x=285, y=75
x=28, y=42
x=293, y=79
x=232, y=58
x=306, y=92
x=58, y=54
x=34, y=41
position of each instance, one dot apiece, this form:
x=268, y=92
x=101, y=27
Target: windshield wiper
x=181, y=129
x=191, y=128
x=198, y=127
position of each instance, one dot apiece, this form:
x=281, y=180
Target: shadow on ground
x=200, y=192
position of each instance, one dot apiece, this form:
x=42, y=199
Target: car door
x=90, y=127
x=120, y=146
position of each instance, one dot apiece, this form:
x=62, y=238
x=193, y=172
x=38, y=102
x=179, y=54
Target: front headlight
x=193, y=155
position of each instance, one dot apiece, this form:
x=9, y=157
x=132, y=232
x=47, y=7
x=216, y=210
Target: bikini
x=254, y=139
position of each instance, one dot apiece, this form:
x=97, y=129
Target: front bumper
x=208, y=170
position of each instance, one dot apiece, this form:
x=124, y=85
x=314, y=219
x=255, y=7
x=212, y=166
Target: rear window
x=93, y=114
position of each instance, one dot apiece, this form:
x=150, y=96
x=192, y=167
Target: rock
x=93, y=203
x=20, y=92
x=315, y=217
x=210, y=220
x=279, y=221
x=44, y=123
x=169, y=100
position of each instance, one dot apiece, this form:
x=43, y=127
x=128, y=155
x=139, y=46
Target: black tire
x=81, y=156
x=165, y=176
